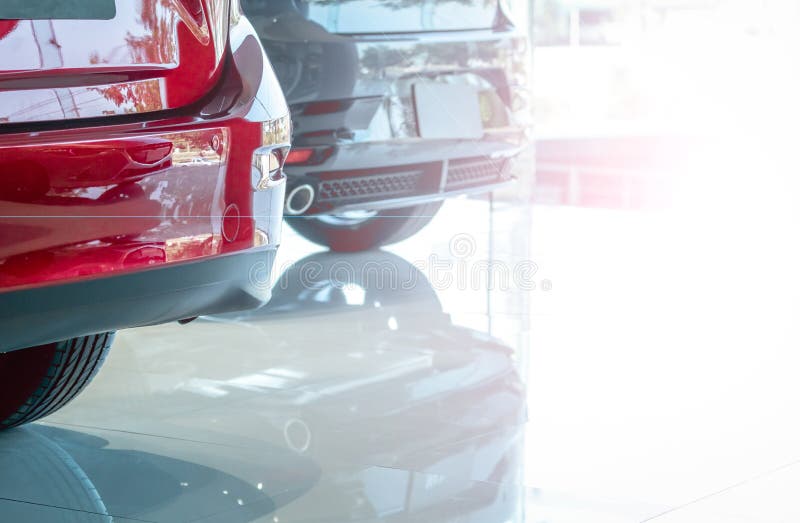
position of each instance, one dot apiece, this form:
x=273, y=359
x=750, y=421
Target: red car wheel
x=383, y=228
x=37, y=381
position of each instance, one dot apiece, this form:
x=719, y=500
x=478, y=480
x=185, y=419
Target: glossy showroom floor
x=620, y=369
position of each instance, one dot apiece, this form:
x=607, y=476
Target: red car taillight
x=299, y=156
x=326, y=107
x=309, y=155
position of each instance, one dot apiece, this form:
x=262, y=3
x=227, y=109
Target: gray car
x=396, y=105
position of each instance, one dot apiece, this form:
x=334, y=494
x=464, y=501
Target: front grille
x=391, y=185
x=475, y=171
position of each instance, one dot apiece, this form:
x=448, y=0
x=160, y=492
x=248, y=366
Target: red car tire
x=384, y=228
x=37, y=381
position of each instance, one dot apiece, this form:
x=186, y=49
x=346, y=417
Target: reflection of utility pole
x=426, y=14
x=51, y=58
x=574, y=27
x=490, y=272
x=333, y=18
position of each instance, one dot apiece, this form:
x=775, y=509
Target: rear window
x=57, y=9
x=389, y=16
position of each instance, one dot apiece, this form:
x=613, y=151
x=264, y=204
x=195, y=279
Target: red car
x=141, y=180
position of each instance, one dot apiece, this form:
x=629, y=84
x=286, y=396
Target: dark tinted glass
x=387, y=16
x=57, y=9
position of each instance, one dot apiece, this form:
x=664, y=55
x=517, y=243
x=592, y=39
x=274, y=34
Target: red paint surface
x=79, y=202
x=76, y=204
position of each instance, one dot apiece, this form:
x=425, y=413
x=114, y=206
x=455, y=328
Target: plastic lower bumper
x=349, y=183
x=419, y=199
x=215, y=285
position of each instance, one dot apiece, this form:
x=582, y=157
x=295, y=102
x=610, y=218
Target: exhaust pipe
x=299, y=199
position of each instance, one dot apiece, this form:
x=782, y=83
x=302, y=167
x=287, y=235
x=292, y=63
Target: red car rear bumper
x=140, y=210
x=76, y=205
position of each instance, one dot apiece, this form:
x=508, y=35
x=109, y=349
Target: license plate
x=447, y=111
x=57, y=9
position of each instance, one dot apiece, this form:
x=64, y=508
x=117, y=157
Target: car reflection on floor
x=88, y=480
x=350, y=397
x=424, y=394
